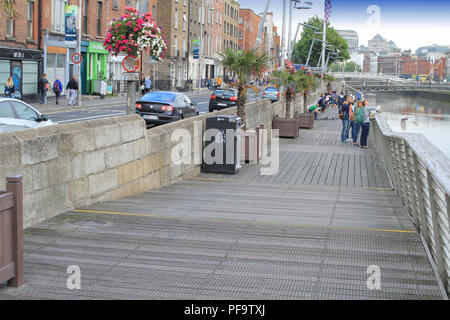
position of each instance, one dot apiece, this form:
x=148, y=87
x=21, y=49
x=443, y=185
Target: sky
x=409, y=23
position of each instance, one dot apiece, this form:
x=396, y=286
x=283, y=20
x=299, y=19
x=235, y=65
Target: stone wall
x=67, y=166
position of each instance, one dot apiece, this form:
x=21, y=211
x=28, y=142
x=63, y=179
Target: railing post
x=438, y=245
x=422, y=225
x=409, y=167
x=14, y=185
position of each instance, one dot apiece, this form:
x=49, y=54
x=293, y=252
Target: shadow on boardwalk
x=309, y=232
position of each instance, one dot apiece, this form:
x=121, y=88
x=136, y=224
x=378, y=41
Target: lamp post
x=312, y=27
x=202, y=20
x=292, y=44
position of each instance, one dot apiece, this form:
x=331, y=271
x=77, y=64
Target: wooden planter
x=305, y=121
x=252, y=145
x=288, y=128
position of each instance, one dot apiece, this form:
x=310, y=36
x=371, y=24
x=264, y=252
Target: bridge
x=314, y=230
x=398, y=87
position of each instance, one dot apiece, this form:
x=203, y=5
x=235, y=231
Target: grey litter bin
x=217, y=140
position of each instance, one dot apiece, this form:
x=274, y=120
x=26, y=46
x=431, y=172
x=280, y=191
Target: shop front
x=23, y=66
x=96, y=69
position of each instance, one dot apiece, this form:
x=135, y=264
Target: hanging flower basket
x=133, y=33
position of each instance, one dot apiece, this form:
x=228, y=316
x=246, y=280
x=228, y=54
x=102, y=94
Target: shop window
x=5, y=71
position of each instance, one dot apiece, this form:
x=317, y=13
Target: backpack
x=360, y=115
x=56, y=86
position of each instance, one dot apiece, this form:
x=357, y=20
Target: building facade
x=21, y=56
x=230, y=24
x=352, y=39
x=248, y=29
x=382, y=47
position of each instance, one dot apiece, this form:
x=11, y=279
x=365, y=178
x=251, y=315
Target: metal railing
x=420, y=174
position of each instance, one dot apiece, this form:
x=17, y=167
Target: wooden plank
x=338, y=173
x=326, y=169
x=332, y=171
x=358, y=180
x=345, y=165
x=364, y=175
x=351, y=171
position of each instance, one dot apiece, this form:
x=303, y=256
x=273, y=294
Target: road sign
x=131, y=76
x=196, y=49
x=76, y=58
x=130, y=63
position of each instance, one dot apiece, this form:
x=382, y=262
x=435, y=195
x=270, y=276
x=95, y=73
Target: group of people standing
x=328, y=99
x=355, y=116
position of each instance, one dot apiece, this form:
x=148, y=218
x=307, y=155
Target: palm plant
x=244, y=64
x=305, y=82
x=286, y=80
x=9, y=9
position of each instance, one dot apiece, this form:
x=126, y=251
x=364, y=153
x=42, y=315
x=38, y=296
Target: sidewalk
x=95, y=101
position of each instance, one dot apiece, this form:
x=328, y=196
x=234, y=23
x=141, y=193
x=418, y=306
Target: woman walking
x=365, y=126
x=9, y=88
x=72, y=86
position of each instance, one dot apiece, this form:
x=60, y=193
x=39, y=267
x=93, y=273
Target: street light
x=199, y=80
x=291, y=44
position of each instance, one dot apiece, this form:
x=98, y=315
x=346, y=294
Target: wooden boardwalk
x=309, y=232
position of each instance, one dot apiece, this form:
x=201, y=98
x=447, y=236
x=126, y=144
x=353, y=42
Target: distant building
x=438, y=51
x=352, y=39
x=448, y=66
x=248, y=29
x=383, y=47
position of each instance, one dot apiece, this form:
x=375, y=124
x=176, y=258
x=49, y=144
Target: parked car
x=271, y=93
x=222, y=99
x=17, y=115
x=160, y=107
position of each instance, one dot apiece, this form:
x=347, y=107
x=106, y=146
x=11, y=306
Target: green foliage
x=244, y=64
x=348, y=67
x=301, y=48
x=9, y=9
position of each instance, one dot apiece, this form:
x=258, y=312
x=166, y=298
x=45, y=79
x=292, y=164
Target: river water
x=429, y=117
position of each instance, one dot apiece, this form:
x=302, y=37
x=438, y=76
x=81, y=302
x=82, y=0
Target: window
x=6, y=111
x=30, y=13
x=184, y=47
x=176, y=19
x=115, y=4
x=9, y=28
x=184, y=21
x=154, y=12
x=58, y=15
x=24, y=112
x=85, y=16
x=99, y=18
x=175, y=45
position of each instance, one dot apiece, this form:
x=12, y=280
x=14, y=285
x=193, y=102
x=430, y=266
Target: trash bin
x=217, y=140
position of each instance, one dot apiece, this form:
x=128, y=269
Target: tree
x=286, y=80
x=348, y=67
x=9, y=9
x=305, y=82
x=301, y=48
x=244, y=64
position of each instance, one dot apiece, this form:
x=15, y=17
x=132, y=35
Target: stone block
x=9, y=150
x=39, y=149
x=78, y=167
x=130, y=172
x=151, y=163
x=78, y=190
x=40, y=176
x=59, y=171
x=153, y=142
x=106, y=136
x=83, y=140
x=102, y=182
x=119, y=155
x=131, y=129
x=94, y=162
x=139, y=148
x=152, y=181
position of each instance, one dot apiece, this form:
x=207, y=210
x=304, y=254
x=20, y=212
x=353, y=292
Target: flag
x=327, y=10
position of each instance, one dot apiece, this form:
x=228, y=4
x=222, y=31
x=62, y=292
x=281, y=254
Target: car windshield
x=226, y=93
x=162, y=97
x=271, y=89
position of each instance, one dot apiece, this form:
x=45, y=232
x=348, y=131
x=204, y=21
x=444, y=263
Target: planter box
x=305, y=121
x=288, y=127
x=252, y=145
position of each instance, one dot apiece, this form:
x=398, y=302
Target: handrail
x=420, y=174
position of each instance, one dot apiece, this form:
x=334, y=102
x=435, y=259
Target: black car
x=160, y=107
x=222, y=99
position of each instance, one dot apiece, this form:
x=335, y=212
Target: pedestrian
x=219, y=81
x=57, y=88
x=9, y=88
x=43, y=87
x=313, y=109
x=72, y=86
x=147, y=84
x=345, y=109
x=356, y=125
x=365, y=122
x=142, y=86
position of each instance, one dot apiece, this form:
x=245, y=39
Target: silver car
x=17, y=115
x=271, y=93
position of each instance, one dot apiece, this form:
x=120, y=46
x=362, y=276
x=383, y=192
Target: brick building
x=249, y=23
x=21, y=57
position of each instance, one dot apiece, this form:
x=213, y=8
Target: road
x=112, y=111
